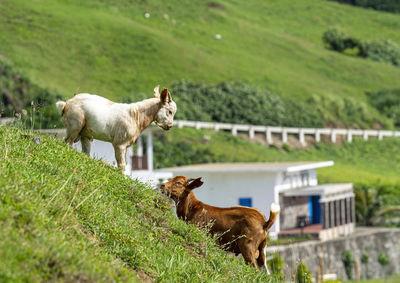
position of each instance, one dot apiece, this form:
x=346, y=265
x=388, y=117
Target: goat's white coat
x=89, y=117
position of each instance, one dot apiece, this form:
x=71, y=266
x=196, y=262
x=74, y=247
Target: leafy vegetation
x=370, y=209
x=67, y=217
x=364, y=260
x=303, y=274
x=383, y=259
x=381, y=5
x=241, y=104
x=390, y=279
x=384, y=50
x=108, y=47
x=276, y=266
x=388, y=102
x=348, y=263
x=20, y=97
x=244, y=104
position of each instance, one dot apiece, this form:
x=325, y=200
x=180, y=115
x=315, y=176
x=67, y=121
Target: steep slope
x=108, y=47
x=66, y=217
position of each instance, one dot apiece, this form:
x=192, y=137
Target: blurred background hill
x=121, y=49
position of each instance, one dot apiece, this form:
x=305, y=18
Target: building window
x=245, y=202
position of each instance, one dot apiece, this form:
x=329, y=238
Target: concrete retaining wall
x=328, y=255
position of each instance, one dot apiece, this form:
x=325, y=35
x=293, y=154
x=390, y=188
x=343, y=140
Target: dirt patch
x=143, y=276
x=215, y=5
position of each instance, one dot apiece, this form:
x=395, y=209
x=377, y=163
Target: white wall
x=225, y=189
x=105, y=151
x=299, y=179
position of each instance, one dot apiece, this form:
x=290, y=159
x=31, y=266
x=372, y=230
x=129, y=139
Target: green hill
x=108, y=47
x=68, y=218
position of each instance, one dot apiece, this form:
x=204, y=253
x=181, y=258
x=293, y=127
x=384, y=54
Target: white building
x=325, y=210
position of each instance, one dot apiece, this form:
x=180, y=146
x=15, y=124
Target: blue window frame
x=245, y=202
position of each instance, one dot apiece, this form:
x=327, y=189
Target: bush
x=18, y=93
x=383, y=259
x=240, y=103
x=303, y=275
x=276, y=265
x=381, y=5
x=348, y=263
x=388, y=103
x=383, y=50
x=344, y=112
x=338, y=40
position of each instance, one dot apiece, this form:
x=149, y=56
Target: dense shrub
x=240, y=103
x=388, y=103
x=382, y=50
x=338, y=40
x=344, y=112
x=276, y=265
x=303, y=274
x=381, y=5
x=383, y=259
x=18, y=95
x=173, y=152
x=348, y=263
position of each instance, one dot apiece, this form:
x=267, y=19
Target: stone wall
x=328, y=255
x=294, y=206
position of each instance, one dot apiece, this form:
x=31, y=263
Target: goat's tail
x=273, y=214
x=60, y=106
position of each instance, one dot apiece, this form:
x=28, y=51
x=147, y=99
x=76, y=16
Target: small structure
x=326, y=211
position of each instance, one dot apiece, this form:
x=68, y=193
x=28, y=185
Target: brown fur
x=242, y=229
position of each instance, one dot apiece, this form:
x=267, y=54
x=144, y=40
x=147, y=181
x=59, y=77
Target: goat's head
x=179, y=187
x=165, y=115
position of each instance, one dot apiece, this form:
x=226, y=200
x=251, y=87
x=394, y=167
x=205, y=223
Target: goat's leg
x=72, y=136
x=120, y=155
x=74, y=121
x=86, y=144
x=247, y=251
x=261, y=260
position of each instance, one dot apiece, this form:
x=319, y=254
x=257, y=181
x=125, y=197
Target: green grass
x=68, y=218
x=108, y=47
x=390, y=279
x=362, y=162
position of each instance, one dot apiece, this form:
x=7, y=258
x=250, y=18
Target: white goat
x=89, y=117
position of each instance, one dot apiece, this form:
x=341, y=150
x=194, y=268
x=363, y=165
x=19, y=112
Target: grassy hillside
x=108, y=47
x=361, y=162
x=68, y=218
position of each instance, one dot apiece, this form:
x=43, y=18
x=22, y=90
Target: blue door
x=245, y=202
x=314, y=209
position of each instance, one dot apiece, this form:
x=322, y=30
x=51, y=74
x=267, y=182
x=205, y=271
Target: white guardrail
x=285, y=131
x=268, y=131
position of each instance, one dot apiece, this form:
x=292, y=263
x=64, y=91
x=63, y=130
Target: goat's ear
x=194, y=183
x=166, y=96
x=157, y=91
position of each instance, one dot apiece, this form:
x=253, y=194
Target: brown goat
x=242, y=229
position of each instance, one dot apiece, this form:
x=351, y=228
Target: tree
x=369, y=205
